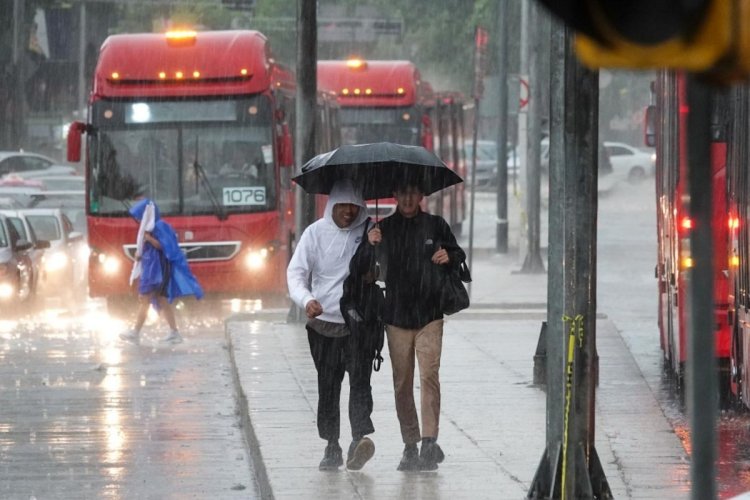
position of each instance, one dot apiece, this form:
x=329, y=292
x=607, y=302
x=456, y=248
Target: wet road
x=83, y=415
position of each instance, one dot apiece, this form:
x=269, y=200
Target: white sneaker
x=174, y=337
x=130, y=336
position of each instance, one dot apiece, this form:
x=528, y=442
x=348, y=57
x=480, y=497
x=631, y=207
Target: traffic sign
x=523, y=93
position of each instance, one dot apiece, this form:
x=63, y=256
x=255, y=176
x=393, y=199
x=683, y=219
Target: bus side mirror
x=75, y=131
x=650, y=126
x=286, y=150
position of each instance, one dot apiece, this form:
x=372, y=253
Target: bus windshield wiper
x=201, y=173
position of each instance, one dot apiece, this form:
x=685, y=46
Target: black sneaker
x=360, y=451
x=332, y=458
x=410, y=459
x=431, y=454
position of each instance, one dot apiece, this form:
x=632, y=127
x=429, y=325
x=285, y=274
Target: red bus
x=738, y=200
x=389, y=101
x=200, y=123
x=667, y=131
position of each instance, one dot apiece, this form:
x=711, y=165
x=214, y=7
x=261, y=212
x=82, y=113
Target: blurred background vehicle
x=10, y=203
x=630, y=163
x=13, y=180
x=606, y=180
x=16, y=271
x=31, y=165
x=62, y=183
x=36, y=253
x=20, y=196
x=72, y=204
x=66, y=261
x=486, y=168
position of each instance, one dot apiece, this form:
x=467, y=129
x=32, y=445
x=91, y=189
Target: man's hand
x=313, y=309
x=440, y=257
x=374, y=236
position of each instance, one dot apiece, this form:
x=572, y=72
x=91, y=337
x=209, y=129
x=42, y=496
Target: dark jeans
x=332, y=357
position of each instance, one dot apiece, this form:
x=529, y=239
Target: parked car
x=66, y=261
x=62, y=182
x=29, y=165
x=16, y=271
x=606, y=181
x=630, y=163
x=486, y=169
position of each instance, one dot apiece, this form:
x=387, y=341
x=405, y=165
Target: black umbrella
x=377, y=169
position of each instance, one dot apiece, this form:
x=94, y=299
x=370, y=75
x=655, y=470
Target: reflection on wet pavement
x=732, y=435
x=84, y=415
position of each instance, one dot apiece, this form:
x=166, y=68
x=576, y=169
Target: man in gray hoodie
x=315, y=278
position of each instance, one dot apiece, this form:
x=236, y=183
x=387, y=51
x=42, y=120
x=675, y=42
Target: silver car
x=29, y=165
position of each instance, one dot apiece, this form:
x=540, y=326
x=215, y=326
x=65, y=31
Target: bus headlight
x=55, y=261
x=256, y=259
x=110, y=264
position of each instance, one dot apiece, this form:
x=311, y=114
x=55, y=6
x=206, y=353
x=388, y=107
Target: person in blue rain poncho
x=161, y=269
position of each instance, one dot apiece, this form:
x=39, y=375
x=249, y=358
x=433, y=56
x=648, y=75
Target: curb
x=251, y=440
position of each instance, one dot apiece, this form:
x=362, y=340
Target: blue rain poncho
x=181, y=280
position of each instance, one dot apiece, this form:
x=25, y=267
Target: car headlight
x=55, y=261
x=83, y=253
x=6, y=290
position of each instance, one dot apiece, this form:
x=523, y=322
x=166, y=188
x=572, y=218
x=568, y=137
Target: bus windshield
x=368, y=125
x=192, y=157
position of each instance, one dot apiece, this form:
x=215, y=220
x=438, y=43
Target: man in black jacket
x=412, y=246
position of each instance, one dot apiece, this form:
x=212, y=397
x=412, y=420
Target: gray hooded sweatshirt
x=320, y=263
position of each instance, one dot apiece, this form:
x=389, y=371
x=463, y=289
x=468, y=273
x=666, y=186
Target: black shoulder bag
x=453, y=296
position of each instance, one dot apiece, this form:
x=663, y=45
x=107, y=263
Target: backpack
x=362, y=303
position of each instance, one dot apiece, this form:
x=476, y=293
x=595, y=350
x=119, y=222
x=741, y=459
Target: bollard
x=540, y=358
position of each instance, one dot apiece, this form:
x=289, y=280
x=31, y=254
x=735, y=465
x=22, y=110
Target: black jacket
x=412, y=281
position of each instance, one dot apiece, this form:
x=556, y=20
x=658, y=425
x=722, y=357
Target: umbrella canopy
x=377, y=169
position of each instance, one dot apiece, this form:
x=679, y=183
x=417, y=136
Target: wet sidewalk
x=492, y=417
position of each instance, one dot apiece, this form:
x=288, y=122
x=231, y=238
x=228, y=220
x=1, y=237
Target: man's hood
x=345, y=192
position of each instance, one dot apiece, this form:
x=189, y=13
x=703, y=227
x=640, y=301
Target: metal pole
x=81, y=104
x=473, y=182
x=304, y=133
x=556, y=237
x=522, y=141
x=570, y=467
x=501, y=227
x=702, y=384
x=533, y=262
x=307, y=56
x=18, y=119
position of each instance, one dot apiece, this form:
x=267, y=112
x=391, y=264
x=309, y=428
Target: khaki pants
x=427, y=343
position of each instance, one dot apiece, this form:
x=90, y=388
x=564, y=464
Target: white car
x=630, y=163
x=62, y=182
x=66, y=261
x=29, y=165
x=36, y=253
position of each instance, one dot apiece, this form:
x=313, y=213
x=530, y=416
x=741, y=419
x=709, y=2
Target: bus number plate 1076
x=233, y=196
